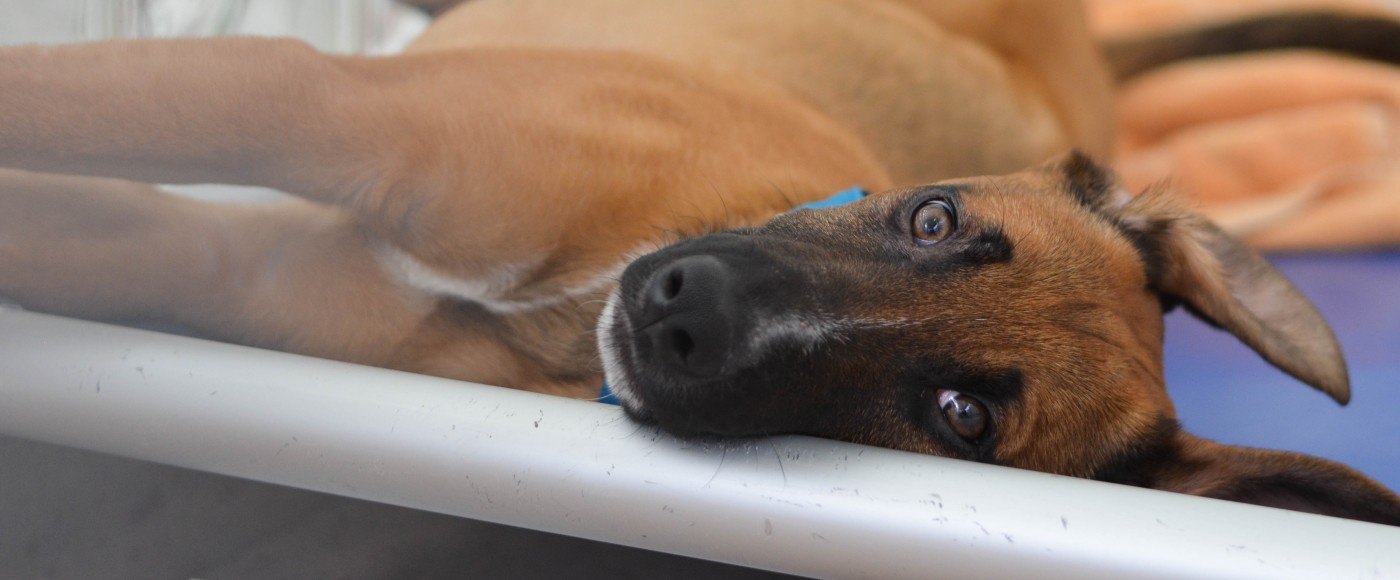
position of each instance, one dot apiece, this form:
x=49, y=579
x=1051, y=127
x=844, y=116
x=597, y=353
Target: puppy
x=465, y=209
x=1014, y=320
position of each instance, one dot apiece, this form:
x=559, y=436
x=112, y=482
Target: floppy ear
x=1227, y=284
x=1218, y=278
x=1278, y=479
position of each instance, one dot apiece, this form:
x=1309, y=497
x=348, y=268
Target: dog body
x=912, y=79
x=471, y=208
x=474, y=195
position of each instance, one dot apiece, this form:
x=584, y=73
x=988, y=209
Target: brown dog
x=465, y=208
x=1015, y=320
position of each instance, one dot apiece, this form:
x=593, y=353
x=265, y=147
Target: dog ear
x=1218, y=278
x=1227, y=284
x=1276, y=479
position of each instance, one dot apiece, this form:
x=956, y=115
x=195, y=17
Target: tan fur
x=515, y=148
x=1091, y=307
x=1072, y=313
x=465, y=208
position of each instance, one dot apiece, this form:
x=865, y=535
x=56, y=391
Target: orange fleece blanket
x=1288, y=149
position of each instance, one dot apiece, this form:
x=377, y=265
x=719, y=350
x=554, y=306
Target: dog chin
x=613, y=339
x=611, y=325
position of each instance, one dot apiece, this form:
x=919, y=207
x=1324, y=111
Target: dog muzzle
x=840, y=198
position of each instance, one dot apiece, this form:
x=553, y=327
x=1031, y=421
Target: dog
x=517, y=196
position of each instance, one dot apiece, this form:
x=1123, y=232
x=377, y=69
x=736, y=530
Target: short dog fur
x=472, y=207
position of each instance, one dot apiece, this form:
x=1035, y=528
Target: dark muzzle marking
x=694, y=342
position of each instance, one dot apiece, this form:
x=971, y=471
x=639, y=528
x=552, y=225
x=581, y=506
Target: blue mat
x=1225, y=392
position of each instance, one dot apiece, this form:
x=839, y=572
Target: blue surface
x=1225, y=392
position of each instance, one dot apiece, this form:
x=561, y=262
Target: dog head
x=1015, y=320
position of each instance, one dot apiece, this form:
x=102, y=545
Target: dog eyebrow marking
x=1087, y=182
x=991, y=246
x=1001, y=387
x=988, y=246
x=949, y=189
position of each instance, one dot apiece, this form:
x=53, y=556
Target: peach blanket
x=1289, y=149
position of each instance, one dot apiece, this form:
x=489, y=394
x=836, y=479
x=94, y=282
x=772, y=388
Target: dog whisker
x=783, y=194
x=729, y=219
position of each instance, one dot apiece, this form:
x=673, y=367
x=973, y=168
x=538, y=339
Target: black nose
x=688, y=315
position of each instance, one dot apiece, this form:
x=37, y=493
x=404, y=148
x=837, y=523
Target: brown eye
x=933, y=222
x=965, y=415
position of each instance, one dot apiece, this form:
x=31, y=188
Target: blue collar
x=841, y=198
x=606, y=395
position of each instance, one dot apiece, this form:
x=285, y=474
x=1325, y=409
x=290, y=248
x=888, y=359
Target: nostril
x=675, y=279
x=681, y=343
x=686, y=313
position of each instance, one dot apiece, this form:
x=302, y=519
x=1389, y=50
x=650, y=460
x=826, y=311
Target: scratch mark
x=723, y=455
x=285, y=446
x=781, y=469
x=781, y=500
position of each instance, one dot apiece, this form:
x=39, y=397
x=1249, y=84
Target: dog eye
x=932, y=222
x=966, y=415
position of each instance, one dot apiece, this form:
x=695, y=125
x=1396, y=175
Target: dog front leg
x=482, y=174
x=292, y=276
x=364, y=134
x=238, y=111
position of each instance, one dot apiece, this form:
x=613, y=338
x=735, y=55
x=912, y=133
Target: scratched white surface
x=792, y=504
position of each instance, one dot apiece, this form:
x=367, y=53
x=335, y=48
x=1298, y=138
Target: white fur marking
x=489, y=292
x=613, y=372
x=405, y=268
x=810, y=330
x=805, y=331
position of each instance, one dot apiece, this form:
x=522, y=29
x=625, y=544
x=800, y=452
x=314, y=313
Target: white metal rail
x=792, y=504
